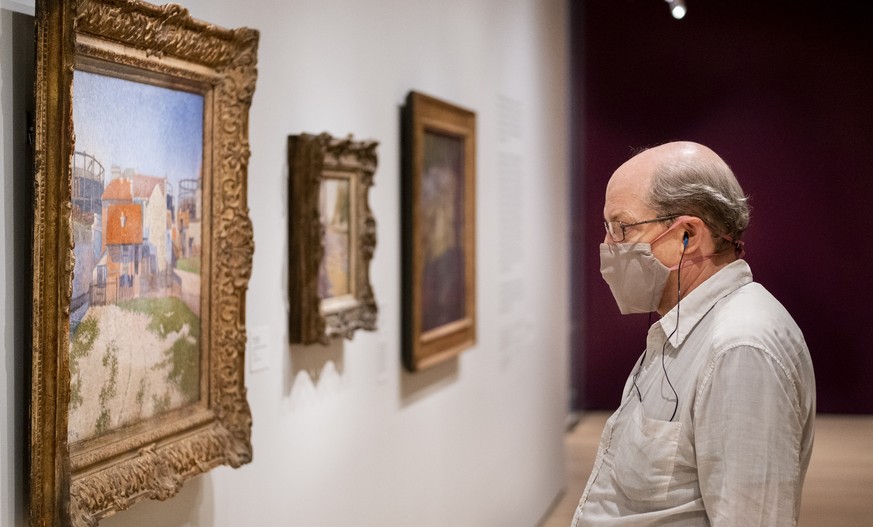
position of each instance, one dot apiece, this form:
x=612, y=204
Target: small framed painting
x=332, y=237
x=142, y=249
x=439, y=222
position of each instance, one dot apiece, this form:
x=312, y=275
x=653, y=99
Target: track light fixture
x=677, y=8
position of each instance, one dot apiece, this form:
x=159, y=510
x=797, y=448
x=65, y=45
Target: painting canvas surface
x=137, y=217
x=443, y=286
x=334, y=209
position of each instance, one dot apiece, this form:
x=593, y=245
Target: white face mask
x=635, y=277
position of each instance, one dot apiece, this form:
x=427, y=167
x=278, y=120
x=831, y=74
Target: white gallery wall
x=342, y=434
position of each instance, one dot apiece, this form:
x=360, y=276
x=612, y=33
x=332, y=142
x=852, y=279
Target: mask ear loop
x=739, y=245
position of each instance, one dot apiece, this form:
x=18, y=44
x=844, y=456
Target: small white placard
x=259, y=348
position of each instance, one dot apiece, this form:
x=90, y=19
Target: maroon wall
x=783, y=91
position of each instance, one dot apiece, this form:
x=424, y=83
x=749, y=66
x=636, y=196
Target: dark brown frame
x=78, y=484
x=312, y=160
x=424, y=114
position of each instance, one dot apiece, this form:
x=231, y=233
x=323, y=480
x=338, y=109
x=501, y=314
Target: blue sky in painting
x=156, y=131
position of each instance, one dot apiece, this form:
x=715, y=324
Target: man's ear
x=693, y=230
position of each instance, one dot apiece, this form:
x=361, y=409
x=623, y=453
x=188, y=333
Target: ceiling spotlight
x=677, y=8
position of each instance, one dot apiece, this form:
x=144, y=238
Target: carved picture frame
x=332, y=237
x=134, y=245
x=439, y=230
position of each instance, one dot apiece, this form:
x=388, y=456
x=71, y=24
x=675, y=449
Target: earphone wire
x=675, y=329
x=664, y=347
x=640, y=367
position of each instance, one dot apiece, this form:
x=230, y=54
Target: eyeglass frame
x=623, y=225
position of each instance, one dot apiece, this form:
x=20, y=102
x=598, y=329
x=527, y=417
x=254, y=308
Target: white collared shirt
x=737, y=450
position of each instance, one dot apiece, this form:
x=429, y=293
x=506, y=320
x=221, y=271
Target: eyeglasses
x=615, y=229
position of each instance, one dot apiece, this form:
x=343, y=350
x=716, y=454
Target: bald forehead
x=628, y=188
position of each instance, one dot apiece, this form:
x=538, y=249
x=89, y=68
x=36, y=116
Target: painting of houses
x=334, y=273
x=135, y=309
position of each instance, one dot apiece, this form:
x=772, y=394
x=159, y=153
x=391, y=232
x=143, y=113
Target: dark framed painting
x=439, y=226
x=332, y=237
x=142, y=251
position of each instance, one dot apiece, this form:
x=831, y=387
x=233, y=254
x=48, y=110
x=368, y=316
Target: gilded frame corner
x=317, y=312
x=82, y=481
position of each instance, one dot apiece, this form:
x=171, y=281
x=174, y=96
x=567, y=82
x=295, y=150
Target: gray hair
x=705, y=189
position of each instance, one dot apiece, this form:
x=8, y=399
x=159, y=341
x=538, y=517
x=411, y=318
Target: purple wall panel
x=782, y=91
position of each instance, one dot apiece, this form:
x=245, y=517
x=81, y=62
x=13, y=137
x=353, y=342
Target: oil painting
x=331, y=237
x=137, y=211
x=142, y=252
x=439, y=226
x=334, y=278
x=442, y=214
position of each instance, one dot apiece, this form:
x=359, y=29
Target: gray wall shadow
x=415, y=386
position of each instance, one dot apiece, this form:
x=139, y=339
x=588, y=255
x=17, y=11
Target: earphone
x=675, y=329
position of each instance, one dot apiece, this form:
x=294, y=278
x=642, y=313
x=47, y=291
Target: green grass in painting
x=192, y=265
x=109, y=388
x=171, y=315
x=81, y=346
x=140, y=394
x=167, y=314
x=184, y=359
x=76, y=393
x=161, y=404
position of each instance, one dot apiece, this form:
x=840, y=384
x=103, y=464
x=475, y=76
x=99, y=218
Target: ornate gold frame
x=422, y=115
x=312, y=160
x=81, y=483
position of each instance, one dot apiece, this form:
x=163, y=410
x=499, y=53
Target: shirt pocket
x=645, y=457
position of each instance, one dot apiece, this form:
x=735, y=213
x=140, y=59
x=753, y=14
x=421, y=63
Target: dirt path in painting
x=124, y=377
x=190, y=289
x=335, y=266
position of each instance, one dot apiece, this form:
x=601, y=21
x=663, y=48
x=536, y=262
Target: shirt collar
x=699, y=301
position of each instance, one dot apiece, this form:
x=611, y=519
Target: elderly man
x=715, y=426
